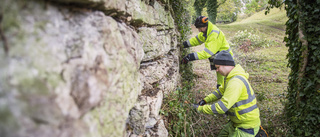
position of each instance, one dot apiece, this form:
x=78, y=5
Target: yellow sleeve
x=215, y=95
x=196, y=40
x=211, y=48
x=229, y=98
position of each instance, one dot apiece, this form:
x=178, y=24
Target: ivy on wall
x=175, y=109
x=303, y=40
x=182, y=21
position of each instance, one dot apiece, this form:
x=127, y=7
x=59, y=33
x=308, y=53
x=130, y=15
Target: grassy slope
x=266, y=66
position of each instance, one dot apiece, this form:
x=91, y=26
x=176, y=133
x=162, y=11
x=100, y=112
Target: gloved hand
x=195, y=106
x=189, y=57
x=185, y=60
x=185, y=44
x=202, y=102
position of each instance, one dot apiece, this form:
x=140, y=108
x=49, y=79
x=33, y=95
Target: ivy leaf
x=309, y=85
x=307, y=133
x=301, y=94
x=314, y=47
x=313, y=120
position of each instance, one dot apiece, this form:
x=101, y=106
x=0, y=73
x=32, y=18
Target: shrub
x=246, y=40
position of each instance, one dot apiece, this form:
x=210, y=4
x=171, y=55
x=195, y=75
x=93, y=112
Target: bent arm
x=230, y=97
x=195, y=41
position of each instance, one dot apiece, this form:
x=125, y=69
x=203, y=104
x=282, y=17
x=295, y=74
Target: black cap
x=224, y=58
x=201, y=21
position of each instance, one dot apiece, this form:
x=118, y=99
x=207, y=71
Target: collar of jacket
x=209, y=29
x=237, y=70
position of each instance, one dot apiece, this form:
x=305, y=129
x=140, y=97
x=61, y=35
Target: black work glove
x=186, y=59
x=202, y=102
x=185, y=44
x=218, y=85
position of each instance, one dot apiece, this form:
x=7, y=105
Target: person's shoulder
x=237, y=79
x=234, y=84
x=213, y=25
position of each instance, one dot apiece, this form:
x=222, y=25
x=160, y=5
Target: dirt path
x=206, y=78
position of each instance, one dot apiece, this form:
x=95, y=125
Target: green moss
x=107, y=113
x=7, y=121
x=137, y=22
x=29, y=85
x=53, y=80
x=9, y=12
x=40, y=25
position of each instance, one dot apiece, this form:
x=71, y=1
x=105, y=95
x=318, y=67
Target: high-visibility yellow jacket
x=214, y=41
x=237, y=100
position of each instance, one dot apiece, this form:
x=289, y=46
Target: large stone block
x=155, y=43
x=145, y=115
x=151, y=14
x=140, y=11
x=155, y=71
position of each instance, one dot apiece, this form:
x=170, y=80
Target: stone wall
x=74, y=68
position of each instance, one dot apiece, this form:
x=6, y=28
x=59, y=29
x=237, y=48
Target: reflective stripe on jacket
x=237, y=99
x=214, y=41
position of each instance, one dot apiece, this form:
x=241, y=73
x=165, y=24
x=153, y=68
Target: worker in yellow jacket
x=236, y=99
x=214, y=41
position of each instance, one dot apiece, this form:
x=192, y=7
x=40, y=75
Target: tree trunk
x=303, y=58
x=198, y=6
x=212, y=6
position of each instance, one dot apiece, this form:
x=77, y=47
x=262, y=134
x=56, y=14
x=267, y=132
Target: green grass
x=271, y=25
